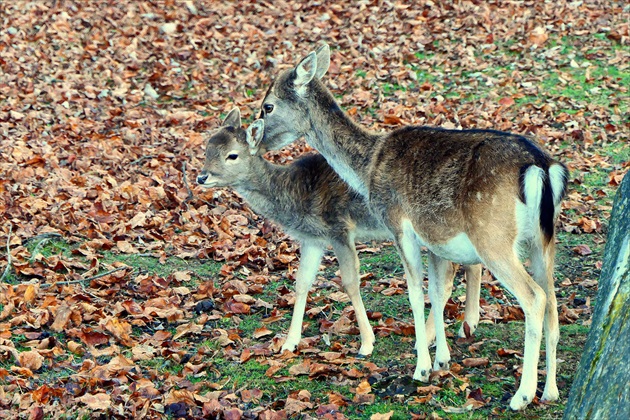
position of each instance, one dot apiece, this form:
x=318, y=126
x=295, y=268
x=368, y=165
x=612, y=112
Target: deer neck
x=347, y=147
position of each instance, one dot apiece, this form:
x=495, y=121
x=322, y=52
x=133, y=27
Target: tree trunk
x=601, y=389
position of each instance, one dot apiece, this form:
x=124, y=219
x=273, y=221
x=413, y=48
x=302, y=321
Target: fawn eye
x=268, y=108
x=232, y=156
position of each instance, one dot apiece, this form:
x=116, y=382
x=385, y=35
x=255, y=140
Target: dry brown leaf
x=62, y=316
x=185, y=329
x=262, y=332
x=383, y=416
x=30, y=294
x=475, y=362
x=364, y=387
x=31, y=360
x=119, y=329
x=538, y=36
x=98, y=402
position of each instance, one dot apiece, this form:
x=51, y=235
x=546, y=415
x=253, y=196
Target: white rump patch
x=458, y=249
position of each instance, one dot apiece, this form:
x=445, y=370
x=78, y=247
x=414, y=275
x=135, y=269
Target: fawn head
x=229, y=152
x=285, y=108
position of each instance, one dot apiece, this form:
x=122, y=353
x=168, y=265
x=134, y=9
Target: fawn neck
x=268, y=187
x=347, y=147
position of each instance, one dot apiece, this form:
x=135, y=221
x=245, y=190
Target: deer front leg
x=349, y=267
x=409, y=250
x=438, y=274
x=473, y=294
x=311, y=256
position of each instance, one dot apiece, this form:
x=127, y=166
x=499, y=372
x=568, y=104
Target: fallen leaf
x=262, y=332
x=582, y=250
x=31, y=360
x=364, y=387
x=538, y=36
x=383, y=416
x=62, y=316
x=508, y=353
x=475, y=362
x=100, y=401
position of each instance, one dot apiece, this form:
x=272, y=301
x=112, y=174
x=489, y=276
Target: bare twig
x=37, y=247
x=190, y=193
x=140, y=159
x=46, y=235
x=98, y=276
x=8, y=267
x=146, y=254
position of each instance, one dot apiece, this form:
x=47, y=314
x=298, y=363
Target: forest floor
x=127, y=292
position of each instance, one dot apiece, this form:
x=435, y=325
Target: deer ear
x=304, y=72
x=254, y=135
x=323, y=60
x=233, y=119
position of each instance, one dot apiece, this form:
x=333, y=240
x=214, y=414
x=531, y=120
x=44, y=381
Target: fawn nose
x=201, y=179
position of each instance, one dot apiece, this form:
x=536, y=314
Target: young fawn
x=469, y=196
x=311, y=202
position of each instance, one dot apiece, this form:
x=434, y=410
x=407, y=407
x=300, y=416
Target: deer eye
x=232, y=156
x=268, y=108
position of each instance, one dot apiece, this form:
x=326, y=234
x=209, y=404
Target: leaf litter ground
x=127, y=292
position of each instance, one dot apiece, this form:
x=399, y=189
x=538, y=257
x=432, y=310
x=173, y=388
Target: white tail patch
x=528, y=214
x=557, y=176
x=533, y=186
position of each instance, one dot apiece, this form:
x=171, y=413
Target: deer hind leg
x=438, y=271
x=542, y=258
x=349, y=267
x=511, y=273
x=311, y=256
x=473, y=294
x=448, y=287
x=410, y=253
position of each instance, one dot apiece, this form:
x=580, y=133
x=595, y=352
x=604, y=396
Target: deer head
x=292, y=90
x=230, y=151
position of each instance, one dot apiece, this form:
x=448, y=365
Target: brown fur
x=309, y=200
x=467, y=195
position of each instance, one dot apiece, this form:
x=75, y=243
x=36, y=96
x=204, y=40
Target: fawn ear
x=254, y=135
x=233, y=119
x=323, y=60
x=304, y=72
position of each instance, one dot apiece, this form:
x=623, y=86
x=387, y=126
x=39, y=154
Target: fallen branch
x=37, y=247
x=46, y=235
x=141, y=159
x=190, y=193
x=146, y=254
x=98, y=276
x=8, y=267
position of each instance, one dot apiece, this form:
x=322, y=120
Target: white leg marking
x=349, y=267
x=438, y=271
x=410, y=253
x=511, y=273
x=311, y=255
x=542, y=268
x=473, y=292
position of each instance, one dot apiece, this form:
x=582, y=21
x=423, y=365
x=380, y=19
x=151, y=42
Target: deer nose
x=201, y=179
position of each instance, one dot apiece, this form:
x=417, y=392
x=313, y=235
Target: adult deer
x=309, y=200
x=469, y=196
